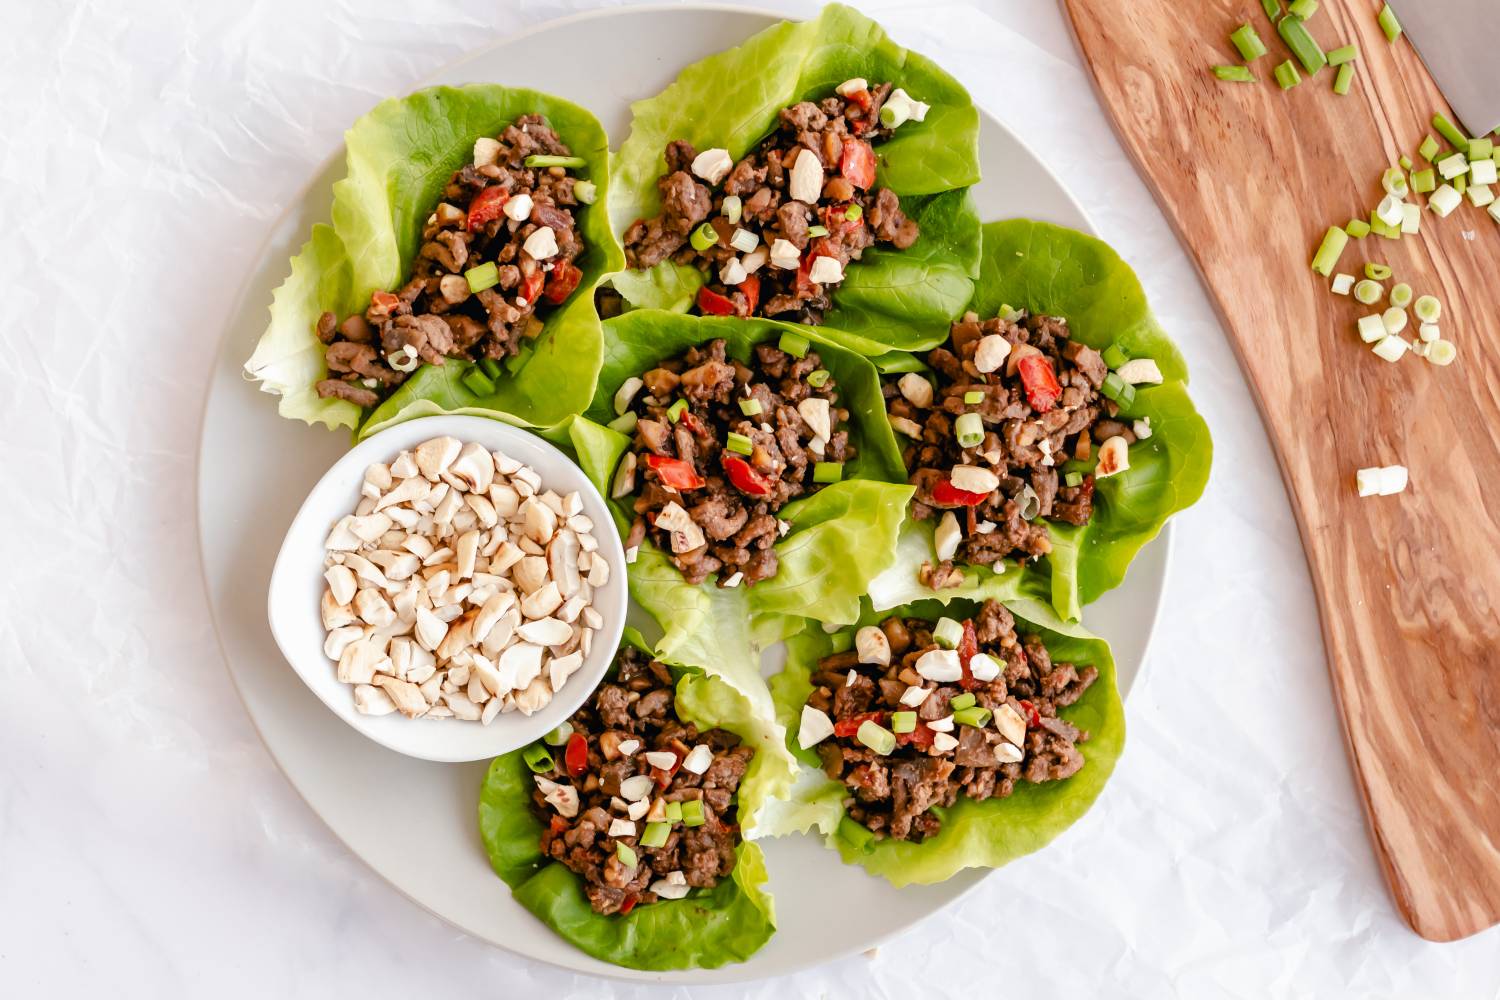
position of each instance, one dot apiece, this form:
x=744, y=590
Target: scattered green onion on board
x=947, y=633
x=1429, y=149
x=739, y=444
x=1343, y=54
x=828, y=472
x=1428, y=309
x=794, y=344
x=1272, y=8
x=1405, y=162
x=478, y=383
x=1377, y=272
x=1358, y=228
x=1394, y=182
x=1287, y=75
x=704, y=237
x=1450, y=131
x=1306, y=48
x=1424, y=181
x=1234, y=74
x=1303, y=8
x=676, y=410
x=1389, y=24
x=1401, y=295
x=1247, y=40
x=969, y=429
x=1344, y=80
x=1332, y=248
x=538, y=758
x=1368, y=292
x=555, y=161
x=1481, y=149
x=750, y=407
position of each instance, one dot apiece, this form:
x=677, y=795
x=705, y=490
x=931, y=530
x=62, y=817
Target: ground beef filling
x=851, y=212
x=711, y=508
x=637, y=707
x=436, y=315
x=1038, y=409
x=892, y=795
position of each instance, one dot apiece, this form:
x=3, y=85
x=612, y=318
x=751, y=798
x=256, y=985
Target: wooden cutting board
x=1408, y=586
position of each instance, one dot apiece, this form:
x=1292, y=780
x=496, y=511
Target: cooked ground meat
x=1021, y=739
x=630, y=716
x=1039, y=408
x=436, y=314
x=711, y=507
x=848, y=211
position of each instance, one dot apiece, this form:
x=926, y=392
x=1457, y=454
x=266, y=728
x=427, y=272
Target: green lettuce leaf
x=1050, y=269
x=890, y=298
x=706, y=929
x=400, y=157
x=984, y=834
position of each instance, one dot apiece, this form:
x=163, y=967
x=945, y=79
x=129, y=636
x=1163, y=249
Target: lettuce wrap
x=974, y=834
x=399, y=158
x=1050, y=269
x=889, y=298
x=706, y=929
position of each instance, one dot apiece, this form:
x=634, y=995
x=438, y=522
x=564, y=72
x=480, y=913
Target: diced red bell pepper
x=1033, y=717
x=945, y=494
x=691, y=422
x=629, y=904
x=860, y=98
x=531, y=285
x=857, y=163
x=576, y=756
x=847, y=728
x=921, y=737
x=744, y=478
x=487, y=206
x=751, y=289
x=711, y=303
x=674, y=472
x=664, y=775
x=384, y=303
x=561, y=282
x=968, y=646
x=557, y=825
x=1039, y=381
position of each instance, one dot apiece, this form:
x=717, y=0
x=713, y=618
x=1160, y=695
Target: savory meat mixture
x=499, y=246
x=804, y=201
x=721, y=446
x=1009, y=437
x=918, y=713
x=639, y=803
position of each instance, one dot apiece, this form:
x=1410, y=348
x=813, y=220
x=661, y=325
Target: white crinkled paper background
x=148, y=845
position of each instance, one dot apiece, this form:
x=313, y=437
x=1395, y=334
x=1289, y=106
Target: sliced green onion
x=817, y=230
x=733, y=209
x=1234, y=74
x=1306, y=48
x=479, y=383
x=1377, y=272
x=626, y=855
x=585, y=191
x=1481, y=149
x=1394, y=182
x=692, y=812
x=903, y=722
x=739, y=444
x=876, y=737
x=559, y=736
x=1401, y=295
x=973, y=396
x=486, y=275
x=947, y=633
x=1389, y=24
x=828, y=472
x=1114, y=356
x=842, y=641
x=1329, y=252
x=855, y=835
x=1113, y=386
x=1453, y=166
x=1358, y=228
x=1461, y=184
x=1302, y=8
x=1428, y=309
x=540, y=160
x=1126, y=399
x=490, y=367
x=1072, y=479
x=1394, y=319
x=976, y=717
x=963, y=701
x=1450, y=131
x=750, y=407
x=676, y=410
x=674, y=812
x=625, y=423
x=853, y=212
x=539, y=759
x=1344, y=80
x=1343, y=54
x=1429, y=148
x=1424, y=181
x=704, y=237
x=1287, y=75
x=655, y=834
x=794, y=344
x=818, y=379
x=969, y=429
x=1368, y=292
x=517, y=361
x=1272, y=8
x=1481, y=195
x=1247, y=40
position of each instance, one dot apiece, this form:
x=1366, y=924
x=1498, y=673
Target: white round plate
x=254, y=469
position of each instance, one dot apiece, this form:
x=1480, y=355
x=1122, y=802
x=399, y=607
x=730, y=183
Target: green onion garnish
x=1127, y=397
x=842, y=641
x=517, y=361
x=1424, y=181
x=1481, y=149
x=486, y=275
x=817, y=230
x=1234, y=74
x=585, y=192
x=1113, y=386
x=794, y=344
x=1114, y=356
x=655, y=834
x=963, y=701
x=969, y=429
x=973, y=396
x=1306, y=48
x=855, y=835
x=1368, y=292
x=559, y=736
x=1287, y=75
x=676, y=410
x=853, y=212
x=818, y=379
x=1429, y=148
x=674, y=812
x=1343, y=54
x=478, y=383
x=1394, y=182
x=692, y=812
x=1460, y=183
x=1272, y=8
x=1401, y=295
x=1377, y=272
x=704, y=237
x=1428, y=309
x=876, y=737
x=1358, y=228
x=1389, y=24
x=828, y=472
x=540, y=160
x=1405, y=162
x=947, y=633
x=1453, y=166
x=539, y=759
x=976, y=717
x=750, y=407
x=1302, y=8
x=1248, y=42
x=626, y=855
x=490, y=367
x=1450, y=131
x=625, y=423
x=733, y=209
x=1344, y=80
x=1072, y=479
x=739, y=444
x=903, y=722
x=1330, y=251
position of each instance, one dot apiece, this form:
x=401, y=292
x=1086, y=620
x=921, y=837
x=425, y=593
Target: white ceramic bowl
x=297, y=586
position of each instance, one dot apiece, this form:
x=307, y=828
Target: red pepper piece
x=486, y=206
x=751, y=289
x=1039, y=381
x=857, y=163
x=664, y=776
x=945, y=494
x=1033, y=717
x=850, y=726
x=531, y=285
x=674, y=472
x=967, y=647
x=576, y=757
x=558, y=825
x=744, y=478
x=711, y=303
x=860, y=98
x=561, y=282
x=629, y=904
x=921, y=737
x=382, y=304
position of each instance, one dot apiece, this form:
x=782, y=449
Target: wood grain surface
x=1408, y=586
